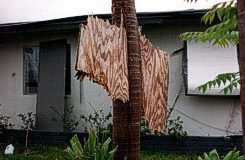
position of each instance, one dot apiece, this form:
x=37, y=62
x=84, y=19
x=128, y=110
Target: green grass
x=58, y=153
x=161, y=155
x=39, y=153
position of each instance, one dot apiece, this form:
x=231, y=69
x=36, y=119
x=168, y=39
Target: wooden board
x=51, y=86
x=102, y=56
x=155, y=71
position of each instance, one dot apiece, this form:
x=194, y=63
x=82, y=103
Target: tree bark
x=127, y=116
x=241, y=28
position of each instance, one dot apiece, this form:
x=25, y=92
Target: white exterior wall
x=202, y=116
x=12, y=99
x=211, y=60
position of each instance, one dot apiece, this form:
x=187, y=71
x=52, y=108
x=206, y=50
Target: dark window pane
x=31, y=64
x=68, y=71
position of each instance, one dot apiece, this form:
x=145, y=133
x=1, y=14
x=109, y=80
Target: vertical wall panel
x=51, y=87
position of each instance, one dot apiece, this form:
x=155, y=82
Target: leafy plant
x=221, y=32
x=144, y=126
x=70, y=121
x=213, y=155
x=174, y=127
x=28, y=120
x=4, y=122
x=92, y=148
x=232, y=78
x=97, y=121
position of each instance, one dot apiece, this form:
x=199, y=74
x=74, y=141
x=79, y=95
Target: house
x=37, y=61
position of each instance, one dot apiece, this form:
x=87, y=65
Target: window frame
x=185, y=75
x=67, y=71
x=25, y=90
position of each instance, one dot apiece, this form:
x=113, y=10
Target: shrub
x=70, y=121
x=174, y=126
x=213, y=155
x=28, y=120
x=92, y=148
x=4, y=121
x=97, y=121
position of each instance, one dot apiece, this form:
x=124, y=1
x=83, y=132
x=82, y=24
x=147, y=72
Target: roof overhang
x=74, y=22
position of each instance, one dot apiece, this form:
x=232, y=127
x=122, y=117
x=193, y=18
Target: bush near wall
x=148, y=142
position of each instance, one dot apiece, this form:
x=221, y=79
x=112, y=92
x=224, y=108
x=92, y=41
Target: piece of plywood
x=102, y=56
x=51, y=85
x=155, y=71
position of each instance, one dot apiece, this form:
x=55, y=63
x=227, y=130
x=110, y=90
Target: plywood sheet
x=155, y=70
x=102, y=56
x=51, y=86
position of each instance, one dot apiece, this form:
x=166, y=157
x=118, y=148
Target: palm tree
x=241, y=28
x=127, y=116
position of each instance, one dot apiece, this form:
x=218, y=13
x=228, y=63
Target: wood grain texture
x=155, y=70
x=102, y=56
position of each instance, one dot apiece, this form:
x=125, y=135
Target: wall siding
x=202, y=116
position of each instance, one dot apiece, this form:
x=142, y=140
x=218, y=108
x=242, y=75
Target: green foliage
x=37, y=152
x=232, y=78
x=28, y=120
x=213, y=155
x=174, y=127
x=144, y=127
x=222, y=32
x=162, y=155
x=219, y=33
x=92, y=148
x=70, y=121
x=44, y=152
x=97, y=121
x=4, y=121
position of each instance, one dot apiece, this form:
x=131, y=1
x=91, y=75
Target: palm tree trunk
x=241, y=28
x=127, y=116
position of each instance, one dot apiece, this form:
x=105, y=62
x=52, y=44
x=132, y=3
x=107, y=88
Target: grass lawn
x=160, y=155
x=40, y=152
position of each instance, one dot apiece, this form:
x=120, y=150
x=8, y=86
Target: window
x=31, y=68
x=68, y=71
x=203, y=62
x=31, y=63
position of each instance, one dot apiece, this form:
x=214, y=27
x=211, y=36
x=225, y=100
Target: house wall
x=202, y=116
x=84, y=96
